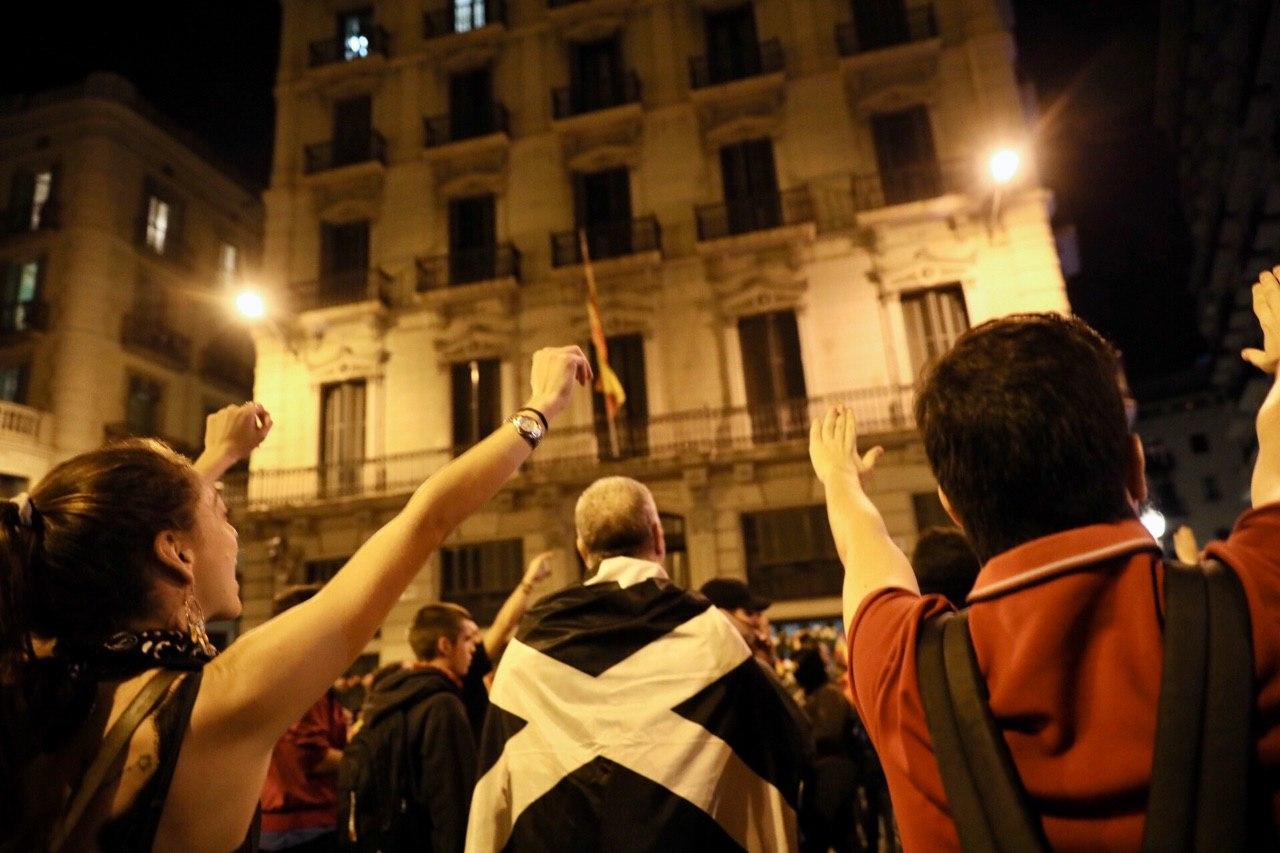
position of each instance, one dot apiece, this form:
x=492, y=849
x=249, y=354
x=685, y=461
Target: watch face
x=530, y=425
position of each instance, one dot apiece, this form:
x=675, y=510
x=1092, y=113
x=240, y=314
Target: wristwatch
x=529, y=427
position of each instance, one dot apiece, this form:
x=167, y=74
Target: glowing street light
x=251, y=305
x=1003, y=165
x=1154, y=520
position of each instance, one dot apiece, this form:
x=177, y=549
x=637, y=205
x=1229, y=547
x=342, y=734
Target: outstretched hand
x=1266, y=306
x=234, y=431
x=539, y=568
x=833, y=446
x=551, y=379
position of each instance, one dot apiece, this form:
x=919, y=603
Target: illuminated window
x=158, y=213
x=20, y=287
x=355, y=36
x=468, y=15
x=933, y=318
x=41, y=190
x=228, y=263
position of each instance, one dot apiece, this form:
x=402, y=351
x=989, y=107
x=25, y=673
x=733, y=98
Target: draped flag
x=635, y=718
x=607, y=382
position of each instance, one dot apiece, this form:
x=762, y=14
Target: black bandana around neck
x=127, y=653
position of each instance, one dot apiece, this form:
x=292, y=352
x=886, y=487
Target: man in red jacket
x=300, y=797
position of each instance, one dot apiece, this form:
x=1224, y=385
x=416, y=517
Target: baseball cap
x=731, y=594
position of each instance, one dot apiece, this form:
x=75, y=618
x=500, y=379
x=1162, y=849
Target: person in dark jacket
x=441, y=746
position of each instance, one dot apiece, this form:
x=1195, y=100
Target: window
x=30, y=199
x=228, y=263
x=596, y=75
x=142, y=406
x=791, y=553
x=905, y=155
x=21, y=287
x=344, y=261
x=354, y=29
x=475, y=401
x=676, y=561
x=13, y=382
x=750, y=186
x=631, y=427
x=473, y=239
x=1199, y=443
x=774, y=375
x=471, y=107
x=157, y=223
x=933, y=319
x=481, y=576
x=602, y=208
x=352, y=130
x=468, y=15
x=732, y=49
x=341, y=437
x=880, y=23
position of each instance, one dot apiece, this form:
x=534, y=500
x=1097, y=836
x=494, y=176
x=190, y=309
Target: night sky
x=210, y=67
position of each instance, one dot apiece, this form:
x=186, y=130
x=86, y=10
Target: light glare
x=251, y=305
x=1004, y=165
x=1154, y=520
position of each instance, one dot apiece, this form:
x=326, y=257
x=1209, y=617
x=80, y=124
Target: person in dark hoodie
x=407, y=776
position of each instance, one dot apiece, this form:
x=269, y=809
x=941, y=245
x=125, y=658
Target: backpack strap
x=1204, y=746
x=113, y=746
x=988, y=803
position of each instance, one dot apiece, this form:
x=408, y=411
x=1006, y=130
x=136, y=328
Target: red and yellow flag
x=607, y=382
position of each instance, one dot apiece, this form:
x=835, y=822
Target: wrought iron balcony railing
x=463, y=18
x=745, y=214
x=876, y=32
x=341, y=288
x=580, y=97
x=467, y=266
x=455, y=127
x=347, y=48
x=912, y=183
x=20, y=422
x=151, y=334
x=323, y=156
x=677, y=437
x=750, y=60
x=607, y=240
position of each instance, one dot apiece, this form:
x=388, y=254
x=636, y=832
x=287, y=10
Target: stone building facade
x=785, y=204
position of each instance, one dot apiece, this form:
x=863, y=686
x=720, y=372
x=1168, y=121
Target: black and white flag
x=632, y=716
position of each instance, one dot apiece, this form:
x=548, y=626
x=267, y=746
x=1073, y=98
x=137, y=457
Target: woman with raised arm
x=119, y=727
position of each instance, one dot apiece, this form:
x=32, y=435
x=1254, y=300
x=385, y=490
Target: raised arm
x=1265, y=487
x=231, y=434
x=871, y=559
x=509, y=615
x=269, y=677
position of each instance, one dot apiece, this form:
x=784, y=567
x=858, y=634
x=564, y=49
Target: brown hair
x=433, y=622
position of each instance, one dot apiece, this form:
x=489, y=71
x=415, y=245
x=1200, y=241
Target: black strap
x=988, y=803
x=113, y=745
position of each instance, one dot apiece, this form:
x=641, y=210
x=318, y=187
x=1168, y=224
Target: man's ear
x=582, y=551
x=950, y=510
x=659, y=540
x=174, y=554
x=444, y=647
x=1136, y=471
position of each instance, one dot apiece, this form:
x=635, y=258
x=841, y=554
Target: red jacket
x=295, y=796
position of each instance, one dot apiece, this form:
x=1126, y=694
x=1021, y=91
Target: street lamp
x=251, y=305
x=1003, y=165
x=1154, y=520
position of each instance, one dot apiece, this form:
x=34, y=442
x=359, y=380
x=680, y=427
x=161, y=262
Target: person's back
x=1066, y=616
x=629, y=714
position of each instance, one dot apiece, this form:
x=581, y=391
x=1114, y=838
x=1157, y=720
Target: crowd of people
x=1013, y=684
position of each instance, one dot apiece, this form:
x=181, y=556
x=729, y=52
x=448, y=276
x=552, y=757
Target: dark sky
x=210, y=65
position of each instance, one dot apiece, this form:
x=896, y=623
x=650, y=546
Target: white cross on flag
x=634, y=718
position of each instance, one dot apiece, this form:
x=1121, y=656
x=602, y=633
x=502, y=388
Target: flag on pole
x=607, y=382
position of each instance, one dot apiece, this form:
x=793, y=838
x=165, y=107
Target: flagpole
x=601, y=357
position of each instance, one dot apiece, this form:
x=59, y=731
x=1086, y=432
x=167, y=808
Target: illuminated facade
x=117, y=242
x=786, y=204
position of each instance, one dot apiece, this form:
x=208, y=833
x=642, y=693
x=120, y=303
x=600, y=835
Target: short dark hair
x=433, y=622
x=944, y=563
x=292, y=596
x=1024, y=426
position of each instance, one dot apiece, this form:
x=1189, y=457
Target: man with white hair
x=629, y=713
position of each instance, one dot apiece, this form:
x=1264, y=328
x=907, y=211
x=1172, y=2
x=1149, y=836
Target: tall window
x=228, y=263
x=468, y=15
x=602, y=207
x=13, y=382
x=142, y=406
x=750, y=186
x=471, y=103
x=791, y=553
x=631, y=427
x=880, y=23
x=934, y=318
x=342, y=410
x=596, y=73
x=352, y=130
x=476, y=400
x=473, y=239
x=905, y=155
x=354, y=29
x=30, y=197
x=774, y=376
x=481, y=576
x=732, y=48
x=21, y=287
x=344, y=261
x=158, y=215
x=676, y=562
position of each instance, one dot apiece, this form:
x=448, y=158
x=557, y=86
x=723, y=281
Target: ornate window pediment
x=923, y=266
x=478, y=330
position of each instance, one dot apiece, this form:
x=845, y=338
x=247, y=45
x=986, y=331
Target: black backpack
x=378, y=794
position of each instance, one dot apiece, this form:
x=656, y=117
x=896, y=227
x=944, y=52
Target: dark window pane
x=476, y=397
x=905, y=155
x=774, y=375
x=791, y=554
x=631, y=427
x=481, y=576
x=342, y=428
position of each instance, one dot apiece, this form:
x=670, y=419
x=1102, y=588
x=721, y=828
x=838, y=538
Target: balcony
x=754, y=60
x=468, y=266
x=911, y=183
x=324, y=156
x=150, y=335
x=607, y=240
x=876, y=33
x=20, y=221
x=341, y=288
x=350, y=48
x=578, y=99
x=20, y=318
x=20, y=422
x=448, y=129
x=676, y=439
x=744, y=215
x=454, y=19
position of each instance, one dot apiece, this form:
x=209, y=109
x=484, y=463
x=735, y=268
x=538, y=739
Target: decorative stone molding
x=357, y=197
x=589, y=147
x=472, y=173
x=627, y=304
x=358, y=352
x=482, y=329
x=765, y=280
x=595, y=28
x=468, y=56
x=725, y=122
x=917, y=266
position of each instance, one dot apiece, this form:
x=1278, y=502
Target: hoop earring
x=195, y=623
